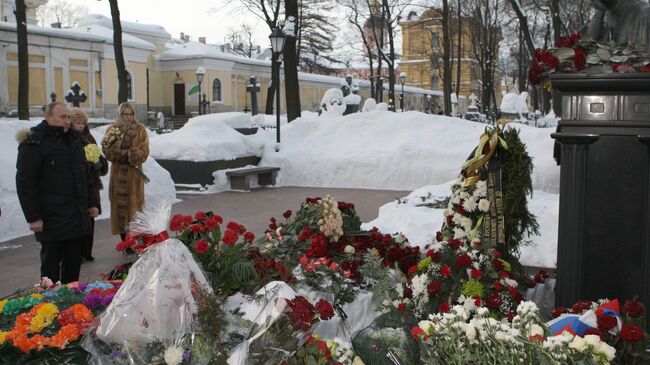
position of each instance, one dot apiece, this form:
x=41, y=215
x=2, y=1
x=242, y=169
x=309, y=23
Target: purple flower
x=118, y=354
x=187, y=356
x=93, y=301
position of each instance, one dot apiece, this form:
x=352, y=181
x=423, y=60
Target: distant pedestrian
x=98, y=167
x=126, y=145
x=55, y=191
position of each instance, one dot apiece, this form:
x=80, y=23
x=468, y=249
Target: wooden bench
x=240, y=179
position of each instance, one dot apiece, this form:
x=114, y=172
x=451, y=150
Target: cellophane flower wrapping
x=152, y=316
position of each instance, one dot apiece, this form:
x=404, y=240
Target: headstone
x=161, y=120
x=332, y=103
x=253, y=88
x=75, y=95
x=604, y=220
x=369, y=105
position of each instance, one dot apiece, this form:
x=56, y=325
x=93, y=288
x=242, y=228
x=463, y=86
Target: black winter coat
x=53, y=182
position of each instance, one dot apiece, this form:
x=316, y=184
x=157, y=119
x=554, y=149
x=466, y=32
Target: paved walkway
x=19, y=267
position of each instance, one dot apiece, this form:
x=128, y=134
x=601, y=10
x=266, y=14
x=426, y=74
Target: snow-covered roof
x=95, y=33
x=150, y=30
x=191, y=50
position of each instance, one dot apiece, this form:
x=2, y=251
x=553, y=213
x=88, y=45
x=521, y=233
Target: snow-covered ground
x=376, y=150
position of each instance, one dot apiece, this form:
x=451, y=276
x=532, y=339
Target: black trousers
x=61, y=260
x=87, y=247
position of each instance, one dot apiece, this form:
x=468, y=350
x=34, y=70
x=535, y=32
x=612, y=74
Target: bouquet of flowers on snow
x=281, y=325
x=335, y=257
x=317, y=350
x=468, y=334
x=624, y=331
x=45, y=323
x=152, y=317
x=573, y=54
x=221, y=251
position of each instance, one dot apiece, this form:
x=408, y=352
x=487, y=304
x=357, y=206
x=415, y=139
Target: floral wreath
x=73, y=322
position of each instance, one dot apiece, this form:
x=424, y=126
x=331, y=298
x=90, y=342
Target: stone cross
x=253, y=87
x=75, y=95
x=472, y=99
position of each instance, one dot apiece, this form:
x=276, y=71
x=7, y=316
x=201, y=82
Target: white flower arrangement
x=331, y=221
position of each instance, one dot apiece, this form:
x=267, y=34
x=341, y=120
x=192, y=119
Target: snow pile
x=210, y=138
x=12, y=221
x=385, y=150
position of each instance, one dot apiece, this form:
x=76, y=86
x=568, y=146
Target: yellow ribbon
x=479, y=160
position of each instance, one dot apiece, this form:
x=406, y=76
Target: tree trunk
x=122, y=95
x=460, y=50
x=23, y=61
x=291, y=83
x=555, y=19
x=271, y=90
x=523, y=23
x=446, y=58
x=391, y=55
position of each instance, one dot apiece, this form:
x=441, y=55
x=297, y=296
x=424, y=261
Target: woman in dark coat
x=98, y=167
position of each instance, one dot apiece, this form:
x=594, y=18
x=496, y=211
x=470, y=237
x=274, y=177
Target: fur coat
x=126, y=145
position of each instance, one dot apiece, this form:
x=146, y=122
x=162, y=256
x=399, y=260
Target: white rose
x=607, y=350
x=578, y=344
x=349, y=249
x=426, y=326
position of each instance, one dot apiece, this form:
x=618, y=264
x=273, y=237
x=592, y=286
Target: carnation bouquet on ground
x=473, y=336
x=44, y=324
x=333, y=256
x=622, y=330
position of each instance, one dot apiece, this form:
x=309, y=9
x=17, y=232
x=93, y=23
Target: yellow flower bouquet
x=92, y=153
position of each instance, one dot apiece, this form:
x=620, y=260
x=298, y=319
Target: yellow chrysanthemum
x=3, y=337
x=472, y=288
x=38, y=296
x=424, y=263
x=2, y=304
x=92, y=153
x=45, y=315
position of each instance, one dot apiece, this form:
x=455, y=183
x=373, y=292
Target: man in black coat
x=55, y=192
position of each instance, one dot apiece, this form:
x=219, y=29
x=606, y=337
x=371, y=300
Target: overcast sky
x=198, y=18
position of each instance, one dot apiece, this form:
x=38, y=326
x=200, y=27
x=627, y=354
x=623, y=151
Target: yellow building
x=422, y=47
x=161, y=72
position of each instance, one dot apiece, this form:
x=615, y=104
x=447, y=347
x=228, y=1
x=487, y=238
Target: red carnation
x=435, y=256
x=559, y=311
x=581, y=306
x=494, y=300
x=535, y=73
x=580, y=58
x=454, y=244
x=633, y=309
x=445, y=271
x=201, y=247
x=476, y=274
x=438, y=236
x=597, y=332
x=401, y=307
x=498, y=265
x=606, y=322
x=463, y=260
x=197, y=228
x=230, y=237
x=443, y=307
x=407, y=293
x=434, y=287
x=200, y=216
x=212, y=223
x=418, y=334
x=249, y=236
x=304, y=234
x=631, y=333
x=324, y=309
x=177, y=223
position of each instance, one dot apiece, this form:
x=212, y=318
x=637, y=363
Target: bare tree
x=291, y=82
x=242, y=40
x=23, y=60
x=446, y=57
x=316, y=32
x=61, y=12
x=122, y=92
x=357, y=15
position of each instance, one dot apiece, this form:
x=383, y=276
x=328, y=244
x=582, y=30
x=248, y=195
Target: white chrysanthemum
x=173, y=355
x=455, y=199
x=349, y=249
x=469, y=204
x=484, y=205
x=608, y=351
x=466, y=223
x=419, y=285
x=459, y=233
x=534, y=330
x=470, y=332
x=526, y=307
x=464, y=195
x=481, y=188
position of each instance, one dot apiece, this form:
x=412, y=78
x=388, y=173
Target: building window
x=435, y=41
x=129, y=86
x=216, y=90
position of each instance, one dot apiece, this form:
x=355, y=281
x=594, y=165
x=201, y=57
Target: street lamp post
x=277, y=38
x=200, y=74
x=402, y=80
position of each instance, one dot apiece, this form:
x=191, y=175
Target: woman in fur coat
x=126, y=145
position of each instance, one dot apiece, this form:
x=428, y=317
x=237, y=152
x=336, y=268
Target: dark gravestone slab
x=193, y=172
x=604, y=227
